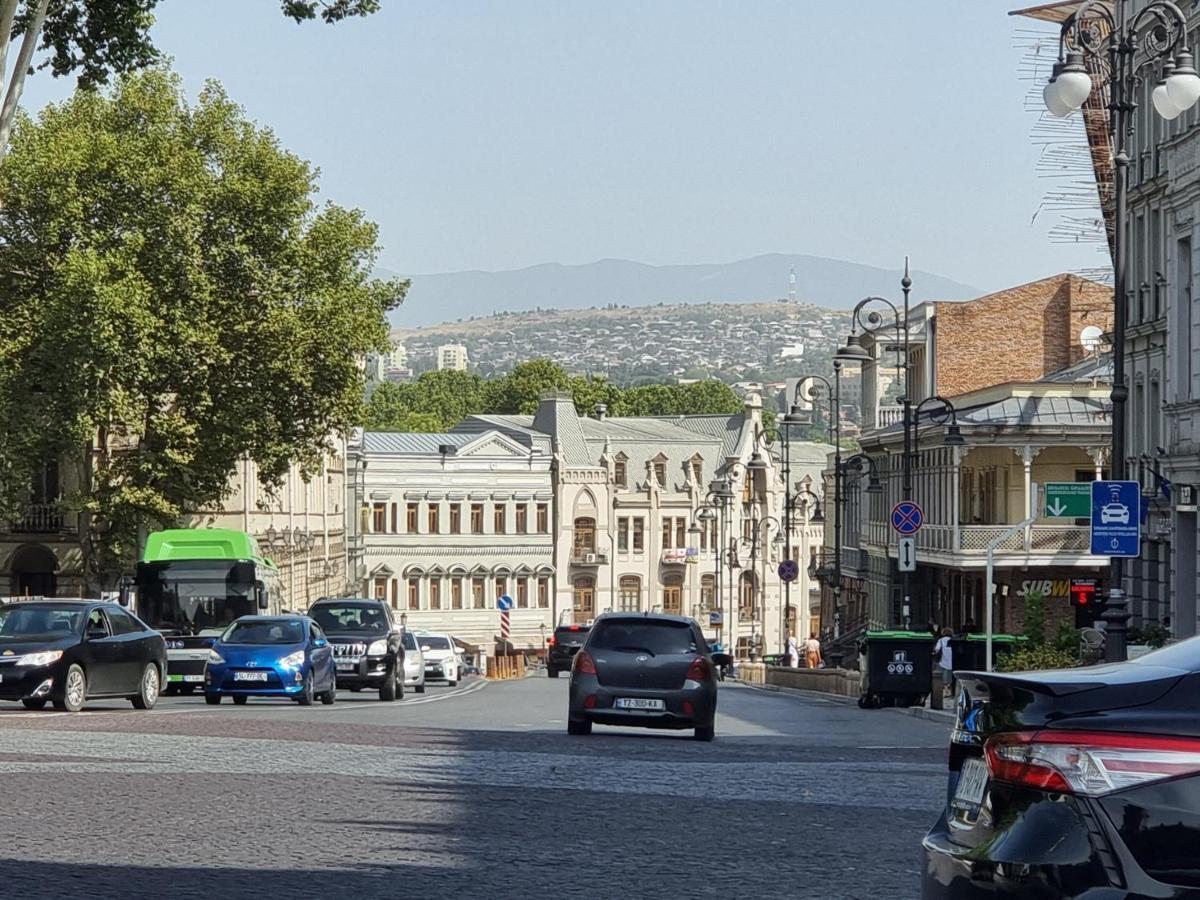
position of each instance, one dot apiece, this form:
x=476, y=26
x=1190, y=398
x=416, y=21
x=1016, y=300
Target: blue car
x=271, y=656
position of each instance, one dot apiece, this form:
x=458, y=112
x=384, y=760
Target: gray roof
x=1026, y=412
x=1098, y=368
x=556, y=416
x=412, y=443
x=519, y=428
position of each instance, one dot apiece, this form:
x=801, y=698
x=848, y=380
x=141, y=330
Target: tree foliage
x=172, y=298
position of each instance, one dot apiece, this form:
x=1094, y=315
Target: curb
x=800, y=692
x=932, y=715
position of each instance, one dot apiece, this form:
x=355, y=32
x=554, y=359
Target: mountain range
x=831, y=283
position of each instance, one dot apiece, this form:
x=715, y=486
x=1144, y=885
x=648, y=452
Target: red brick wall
x=1020, y=334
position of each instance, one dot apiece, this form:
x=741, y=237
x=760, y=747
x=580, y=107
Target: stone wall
x=826, y=681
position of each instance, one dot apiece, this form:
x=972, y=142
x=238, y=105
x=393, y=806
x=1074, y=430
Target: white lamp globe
x=1050, y=95
x=1183, y=85
x=1162, y=102
x=1074, y=84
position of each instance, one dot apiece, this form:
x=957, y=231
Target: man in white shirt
x=943, y=655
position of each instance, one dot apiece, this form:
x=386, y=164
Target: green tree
x=520, y=390
x=99, y=38
x=448, y=395
x=172, y=300
x=590, y=390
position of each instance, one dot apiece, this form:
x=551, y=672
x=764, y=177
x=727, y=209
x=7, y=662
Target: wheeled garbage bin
x=899, y=668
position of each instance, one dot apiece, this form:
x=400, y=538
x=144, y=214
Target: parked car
x=562, y=646
x=67, y=652
x=1073, y=783
x=414, y=664
x=441, y=657
x=366, y=643
x=271, y=656
x=652, y=671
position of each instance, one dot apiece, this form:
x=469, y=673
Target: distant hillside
x=826, y=282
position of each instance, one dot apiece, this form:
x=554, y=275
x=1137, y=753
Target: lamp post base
x=1116, y=616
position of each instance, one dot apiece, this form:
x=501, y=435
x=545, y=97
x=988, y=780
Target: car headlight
x=377, y=648
x=44, y=658
x=215, y=657
x=293, y=660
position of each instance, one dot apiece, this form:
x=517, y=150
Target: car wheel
x=147, y=694
x=387, y=687
x=238, y=701
x=552, y=673
x=33, y=703
x=705, y=733
x=420, y=688
x=213, y=699
x=452, y=683
x=330, y=696
x=305, y=697
x=584, y=727
x=74, y=691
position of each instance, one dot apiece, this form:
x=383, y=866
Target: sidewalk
x=946, y=716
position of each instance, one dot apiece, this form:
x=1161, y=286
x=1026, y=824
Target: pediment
x=493, y=443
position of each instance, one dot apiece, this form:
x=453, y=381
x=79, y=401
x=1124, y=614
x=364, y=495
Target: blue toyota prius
x=271, y=656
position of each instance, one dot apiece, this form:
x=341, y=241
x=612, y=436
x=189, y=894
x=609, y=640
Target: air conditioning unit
x=591, y=559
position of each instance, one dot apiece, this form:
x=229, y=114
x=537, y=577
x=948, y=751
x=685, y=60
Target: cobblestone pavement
x=473, y=792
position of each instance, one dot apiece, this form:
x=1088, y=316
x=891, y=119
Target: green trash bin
x=899, y=668
x=973, y=650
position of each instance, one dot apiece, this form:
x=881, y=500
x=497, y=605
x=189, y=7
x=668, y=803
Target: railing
x=889, y=415
x=41, y=518
x=973, y=539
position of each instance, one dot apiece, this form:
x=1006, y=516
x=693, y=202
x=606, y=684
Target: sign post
x=1116, y=518
x=1068, y=500
x=504, y=604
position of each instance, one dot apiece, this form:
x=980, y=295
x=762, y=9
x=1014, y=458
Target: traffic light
x=1083, y=594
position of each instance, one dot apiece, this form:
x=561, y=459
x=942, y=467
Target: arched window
x=708, y=591
x=584, y=600
x=629, y=598
x=673, y=593
x=585, y=536
x=746, y=595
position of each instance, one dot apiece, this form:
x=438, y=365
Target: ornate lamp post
x=1101, y=32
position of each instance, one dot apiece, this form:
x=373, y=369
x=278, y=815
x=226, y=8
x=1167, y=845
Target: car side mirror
x=320, y=642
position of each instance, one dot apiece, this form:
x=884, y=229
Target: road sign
x=906, y=554
x=505, y=603
x=1068, y=500
x=714, y=618
x=789, y=570
x=1116, y=518
x=907, y=517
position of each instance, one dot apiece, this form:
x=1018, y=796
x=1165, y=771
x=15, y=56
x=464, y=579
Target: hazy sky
x=496, y=135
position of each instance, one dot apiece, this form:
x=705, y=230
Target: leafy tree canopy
x=172, y=297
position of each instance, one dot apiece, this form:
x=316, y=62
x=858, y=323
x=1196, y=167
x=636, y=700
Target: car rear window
x=641, y=635
x=576, y=633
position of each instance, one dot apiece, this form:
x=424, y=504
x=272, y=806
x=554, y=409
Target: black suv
x=563, y=646
x=366, y=644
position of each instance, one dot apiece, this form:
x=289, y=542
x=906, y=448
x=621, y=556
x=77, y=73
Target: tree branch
x=16, y=84
x=8, y=12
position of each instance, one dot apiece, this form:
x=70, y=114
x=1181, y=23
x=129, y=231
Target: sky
x=497, y=135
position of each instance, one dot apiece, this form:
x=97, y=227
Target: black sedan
x=70, y=651
x=652, y=671
x=1074, y=783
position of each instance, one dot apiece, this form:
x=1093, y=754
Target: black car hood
x=345, y=637
x=10, y=647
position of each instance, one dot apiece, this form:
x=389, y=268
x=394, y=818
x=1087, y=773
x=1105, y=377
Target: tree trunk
x=16, y=84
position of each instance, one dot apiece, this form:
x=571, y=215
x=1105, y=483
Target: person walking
x=791, y=656
x=812, y=651
x=943, y=655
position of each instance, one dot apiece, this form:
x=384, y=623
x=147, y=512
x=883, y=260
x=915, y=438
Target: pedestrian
x=943, y=656
x=812, y=651
x=791, y=656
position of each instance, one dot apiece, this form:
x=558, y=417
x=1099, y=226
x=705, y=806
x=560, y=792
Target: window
x=639, y=535
x=584, y=600
x=585, y=536
x=660, y=472
x=395, y=593
x=395, y=517
x=666, y=534
x=456, y=518
x=122, y=622
x=522, y=593
x=435, y=593
x=543, y=588
x=623, y=533
x=673, y=596
x=477, y=598
x=620, y=475
x=543, y=518
x=498, y=524
x=410, y=518
x=746, y=596
x=708, y=591
x=681, y=533
x=456, y=593
x=697, y=470
x=381, y=589
x=476, y=518
x=522, y=518
x=433, y=518
x=414, y=593
x=501, y=586
x=378, y=518
x=629, y=596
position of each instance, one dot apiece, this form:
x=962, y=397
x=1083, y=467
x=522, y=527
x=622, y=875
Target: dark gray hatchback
x=650, y=671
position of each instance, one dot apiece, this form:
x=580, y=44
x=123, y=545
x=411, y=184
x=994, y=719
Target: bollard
x=935, y=688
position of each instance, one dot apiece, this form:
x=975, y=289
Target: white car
x=441, y=658
x=414, y=664
x=1114, y=513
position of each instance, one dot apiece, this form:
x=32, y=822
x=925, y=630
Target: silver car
x=414, y=664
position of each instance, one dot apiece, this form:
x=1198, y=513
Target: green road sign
x=1068, y=500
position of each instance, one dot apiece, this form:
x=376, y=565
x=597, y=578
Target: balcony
x=41, y=518
x=582, y=556
x=971, y=541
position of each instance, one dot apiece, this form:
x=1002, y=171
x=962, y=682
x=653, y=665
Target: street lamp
x=1100, y=32
x=715, y=508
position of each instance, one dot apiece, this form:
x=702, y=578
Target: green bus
x=191, y=583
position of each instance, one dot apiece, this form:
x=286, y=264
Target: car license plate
x=193, y=679
x=639, y=703
x=972, y=782
x=249, y=676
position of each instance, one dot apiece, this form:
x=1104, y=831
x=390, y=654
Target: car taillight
x=1086, y=762
x=698, y=670
x=584, y=664
x=574, y=627
x=550, y=642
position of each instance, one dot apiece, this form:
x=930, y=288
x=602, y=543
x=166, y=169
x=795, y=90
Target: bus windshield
x=192, y=597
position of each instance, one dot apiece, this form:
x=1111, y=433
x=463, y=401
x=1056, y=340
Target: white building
x=452, y=356
x=453, y=522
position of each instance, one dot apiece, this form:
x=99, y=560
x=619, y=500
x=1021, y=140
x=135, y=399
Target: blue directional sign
x=504, y=604
x=907, y=517
x=1116, y=518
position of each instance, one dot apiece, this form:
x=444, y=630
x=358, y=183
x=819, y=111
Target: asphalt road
x=475, y=791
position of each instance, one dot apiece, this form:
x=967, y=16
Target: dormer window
x=620, y=471
x=697, y=467
x=660, y=471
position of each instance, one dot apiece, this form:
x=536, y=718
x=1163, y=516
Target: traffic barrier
x=501, y=668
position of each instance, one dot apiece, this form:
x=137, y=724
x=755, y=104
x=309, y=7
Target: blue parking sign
x=1116, y=518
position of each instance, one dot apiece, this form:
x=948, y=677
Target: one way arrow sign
x=906, y=555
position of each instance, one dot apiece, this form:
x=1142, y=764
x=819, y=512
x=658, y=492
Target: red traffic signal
x=1083, y=593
